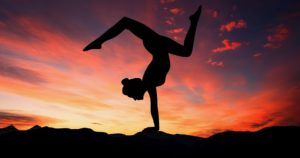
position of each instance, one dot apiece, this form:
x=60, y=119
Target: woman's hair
x=133, y=87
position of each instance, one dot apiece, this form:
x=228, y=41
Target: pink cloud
x=176, y=11
x=279, y=35
x=215, y=14
x=178, y=38
x=166, y=1
x=194, y=76
x=227, y=46
x=233, y=25
x=170, y=20
x=212, y=13
x=257, y=55
x=176, y=33
x=215, y=63
x=176, y=30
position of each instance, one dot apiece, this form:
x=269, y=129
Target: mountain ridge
x=267, y=141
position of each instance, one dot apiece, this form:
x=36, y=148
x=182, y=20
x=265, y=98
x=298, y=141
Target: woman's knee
x=126, y=20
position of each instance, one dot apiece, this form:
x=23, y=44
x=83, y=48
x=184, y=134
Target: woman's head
x=133, y=88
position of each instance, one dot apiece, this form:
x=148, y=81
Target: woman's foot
x=196, y=15
x=94, y=45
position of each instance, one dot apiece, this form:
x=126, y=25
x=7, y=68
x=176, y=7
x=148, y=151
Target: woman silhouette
x=160, y=47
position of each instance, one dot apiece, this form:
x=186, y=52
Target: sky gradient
x=243, y=74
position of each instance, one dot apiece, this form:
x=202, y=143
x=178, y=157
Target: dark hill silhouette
x=268, y=141
x=8, y=129
x=36, y=127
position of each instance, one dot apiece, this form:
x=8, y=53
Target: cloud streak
x=176, y=30
x=233, y=25
x=23, y=121
x=19, y=73
x=227, y=46
x=170, y=21
x=215, y=63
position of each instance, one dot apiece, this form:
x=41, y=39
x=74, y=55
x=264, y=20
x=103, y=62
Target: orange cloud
x=243, y=112
x=61, y=83
x=227, y=46
x=280, y=34
x=233, y=25
x=219, y=108
x=74, y=80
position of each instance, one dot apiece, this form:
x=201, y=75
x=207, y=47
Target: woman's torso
x=156, y=72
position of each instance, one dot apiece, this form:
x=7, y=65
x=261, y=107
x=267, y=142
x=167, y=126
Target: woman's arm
x=154, y=107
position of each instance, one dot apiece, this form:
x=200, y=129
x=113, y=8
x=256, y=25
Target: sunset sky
x=243, y=74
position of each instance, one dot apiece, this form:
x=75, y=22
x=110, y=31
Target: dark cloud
x=7, y=69
x=11, y=117
x=23, y=120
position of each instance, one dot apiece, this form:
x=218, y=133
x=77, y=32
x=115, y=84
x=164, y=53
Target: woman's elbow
x=187, y=54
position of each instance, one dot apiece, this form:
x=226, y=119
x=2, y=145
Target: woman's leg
x=186, y=49
x=137, y=28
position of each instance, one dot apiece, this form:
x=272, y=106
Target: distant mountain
x=36, y=127
x=8, y=129
x=266, y=142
